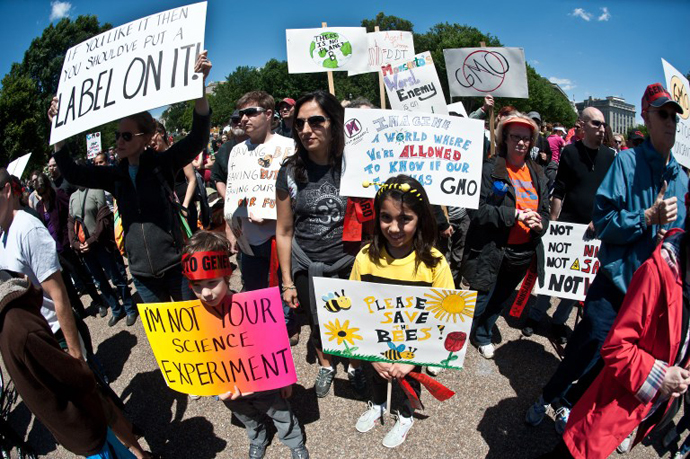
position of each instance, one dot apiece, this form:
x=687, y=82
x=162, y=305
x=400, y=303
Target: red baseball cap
x=656, y=95
x=288, y=101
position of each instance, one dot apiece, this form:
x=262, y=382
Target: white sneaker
x=626, y=444
x=367, y=421
x=486, y=351
x=398, y=433
x=434, y=371
x=562, y=415
x=194, y=397
x=536, y=412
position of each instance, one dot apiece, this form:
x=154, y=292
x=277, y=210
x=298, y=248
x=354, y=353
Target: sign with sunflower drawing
x=394, y=323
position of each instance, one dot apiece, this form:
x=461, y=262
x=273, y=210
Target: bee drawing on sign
x=265, y=161
x=335, y=301
x=399, y=352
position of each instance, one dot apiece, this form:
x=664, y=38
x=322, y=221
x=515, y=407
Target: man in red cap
x=286, y=109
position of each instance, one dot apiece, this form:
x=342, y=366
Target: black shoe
x=256, y=451
x=359, y=383
x=132, y=319
x=102, y=311
x=530, y=326
x=115, y=319
x=559, y=333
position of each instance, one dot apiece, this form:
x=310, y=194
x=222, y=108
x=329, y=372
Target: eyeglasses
x=285, y=108
x=517, y=139
x=664, y=115
x=126, y=136
x=597, y=124
x=251, y=111
x=313, y=121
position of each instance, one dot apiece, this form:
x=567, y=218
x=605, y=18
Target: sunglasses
x=251, y=111
x=313, y=121
x=664, y=115
x=126, y=136
x=597, y=124
x=517, y=139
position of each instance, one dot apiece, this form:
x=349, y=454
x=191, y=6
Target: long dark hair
x=417, y=201
x=336, y=113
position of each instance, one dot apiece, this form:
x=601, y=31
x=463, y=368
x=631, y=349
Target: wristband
x=289, y=287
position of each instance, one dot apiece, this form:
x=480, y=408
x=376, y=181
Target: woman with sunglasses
x=311, y=212
x=142, y=183
x=505, y=232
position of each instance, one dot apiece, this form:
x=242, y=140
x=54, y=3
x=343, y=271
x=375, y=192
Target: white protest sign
x=252, y=173
x=138, y=66
x=386, y=46
x=477, y=72
x=444, y=153
x=93, y=144
x=459, y=108
x=394, y=323
x=413, y=85
x=17, y=166
x=571, y=262
x=677, y=85
x=327, y=49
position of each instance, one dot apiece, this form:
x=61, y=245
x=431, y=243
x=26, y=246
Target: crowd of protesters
x=624, y=365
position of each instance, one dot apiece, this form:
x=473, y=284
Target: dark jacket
x=58, y=389
x=151, y=223
x=56, y=218
x=490, y=226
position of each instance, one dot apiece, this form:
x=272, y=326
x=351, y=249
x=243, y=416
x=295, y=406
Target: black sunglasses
x=313, y=121
x=664, y=115
x=126, y=136
x=251, y=111
x=597, y=124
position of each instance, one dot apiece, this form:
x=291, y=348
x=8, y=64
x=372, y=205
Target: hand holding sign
x=203, y=65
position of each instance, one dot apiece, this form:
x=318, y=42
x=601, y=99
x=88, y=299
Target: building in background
x=618, y=114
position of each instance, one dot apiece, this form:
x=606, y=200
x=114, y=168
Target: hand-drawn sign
x=480, y=71
x=680, y=95
x=679, y=87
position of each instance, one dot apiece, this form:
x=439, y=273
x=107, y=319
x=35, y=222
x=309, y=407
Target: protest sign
x=327, y=49
x=444, y=153
x=413, y=85
x=138, y=66
x=17, y=166
x=384, y=47
x=93, y=144
x=394, y=323
x=252, y=173
x=208, y=351
x=677, y=85
x=477, y=72
x=571, y=261
x=459, y=108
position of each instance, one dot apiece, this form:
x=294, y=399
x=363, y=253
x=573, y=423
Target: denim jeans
x=582, y=353
x=102, y=265
x=172, y=286
x=255, y=274
x=565, y=306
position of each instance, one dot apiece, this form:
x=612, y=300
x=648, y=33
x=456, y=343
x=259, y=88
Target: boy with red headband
x=205, y=262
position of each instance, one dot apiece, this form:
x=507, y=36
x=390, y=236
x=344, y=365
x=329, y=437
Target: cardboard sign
x=327, y=49
x=138, y=66
x=387, y=46
x=18, y=166
x=477, y=72
x=252, y=173
x=679, y=88
x=571, y=261
x=413, y=85
x=207, y=351
x=394, y=323
x=444, y=153
x=93, y=144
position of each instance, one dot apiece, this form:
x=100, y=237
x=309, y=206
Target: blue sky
x=591, y=48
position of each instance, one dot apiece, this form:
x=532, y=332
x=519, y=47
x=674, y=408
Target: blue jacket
x=629, y=188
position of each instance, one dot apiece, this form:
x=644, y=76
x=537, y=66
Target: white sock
x=328, y=368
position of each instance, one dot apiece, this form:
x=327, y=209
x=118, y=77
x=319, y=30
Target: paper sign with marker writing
x=394, y=323
x=679, y=88
x=571, y=261
x=137, y=66
x=208, y=351
x=458, y=107
x=93, y=144
x=477, y=72
x=413, y=85
x=444, y=153
x=387, y=46
x=18, y=166
x=327, y=49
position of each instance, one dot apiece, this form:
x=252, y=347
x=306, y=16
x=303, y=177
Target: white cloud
x=564, y=83
x=534, y=62
x=59, y=10
x=605, y=15
x=581, y=13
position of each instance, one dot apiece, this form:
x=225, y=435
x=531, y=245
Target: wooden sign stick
x=492, y=122
x=382, y=90
x=331, y=85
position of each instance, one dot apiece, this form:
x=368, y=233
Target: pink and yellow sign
x=242, y=342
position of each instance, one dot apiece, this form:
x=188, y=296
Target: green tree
x=387, y=23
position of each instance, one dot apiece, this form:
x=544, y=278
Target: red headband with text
x=206, y=265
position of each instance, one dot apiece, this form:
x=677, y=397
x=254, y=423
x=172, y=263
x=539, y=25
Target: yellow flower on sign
x=341, y=332
x=446, y=305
